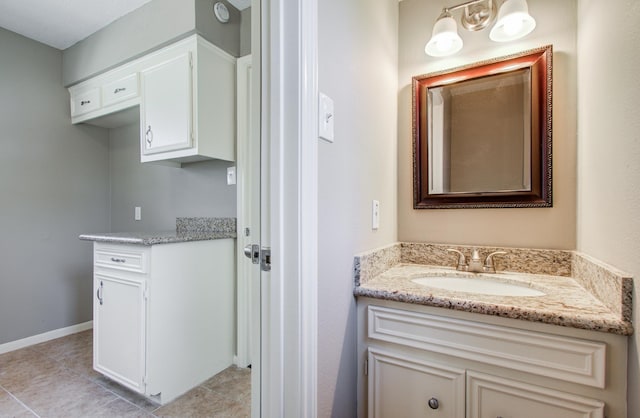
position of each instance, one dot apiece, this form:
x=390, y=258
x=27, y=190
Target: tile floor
x=56, y=379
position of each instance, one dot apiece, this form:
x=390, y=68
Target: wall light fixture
x=513, y=22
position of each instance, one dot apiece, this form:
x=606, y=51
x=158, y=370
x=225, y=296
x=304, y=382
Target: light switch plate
x=137, y=213
x=231, y=175
x=325, y=117
x=375, y=214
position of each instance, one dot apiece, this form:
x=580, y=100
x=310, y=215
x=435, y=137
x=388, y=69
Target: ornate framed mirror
x=482, y=134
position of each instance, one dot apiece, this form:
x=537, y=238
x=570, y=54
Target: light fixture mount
x=478, y=15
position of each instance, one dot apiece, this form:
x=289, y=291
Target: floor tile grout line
x=129, y=402
x=19, y=401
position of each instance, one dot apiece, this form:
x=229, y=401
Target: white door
x=119, y=330
x=166, y=107
x=403, y=387
x=248, y=206
x=492, y=396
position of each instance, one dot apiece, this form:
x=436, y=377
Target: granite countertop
x=598, y=298
x=564, y=301
x=187, y=229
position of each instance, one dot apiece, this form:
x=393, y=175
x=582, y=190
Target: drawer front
x=491, y=396
x=121, y=259
x=564, y=358
x=407, y=387
x=119, y=90
x=85, y=102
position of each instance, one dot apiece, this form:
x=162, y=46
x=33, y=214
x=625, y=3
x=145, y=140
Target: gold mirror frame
x=539, y=63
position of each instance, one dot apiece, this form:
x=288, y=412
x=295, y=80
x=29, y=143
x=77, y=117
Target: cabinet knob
x=119, y=89
x=149, y=136
x=84, y=102
x=433, y=403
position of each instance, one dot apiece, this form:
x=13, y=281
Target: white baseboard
x=40, y=338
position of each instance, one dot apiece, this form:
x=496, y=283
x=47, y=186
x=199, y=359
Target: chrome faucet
x=475, y=264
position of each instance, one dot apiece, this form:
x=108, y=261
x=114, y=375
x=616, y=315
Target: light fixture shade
x=444, y=38
x=514, y=21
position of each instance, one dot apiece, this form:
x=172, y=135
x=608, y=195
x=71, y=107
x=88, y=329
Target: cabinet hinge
x=366, y=367
x=190, y=60
x=145, y=294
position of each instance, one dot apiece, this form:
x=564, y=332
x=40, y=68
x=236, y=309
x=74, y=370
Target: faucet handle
x=462, y=261
x=488, y=262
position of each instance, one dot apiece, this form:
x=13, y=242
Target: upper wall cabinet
x=186, y=98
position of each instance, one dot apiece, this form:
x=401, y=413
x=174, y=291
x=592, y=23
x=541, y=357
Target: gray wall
x=163, y=193
x=54, y=186
x=245, y=32
x=150, y=27
x=358, y=68
x=154, y=24
x=224, y=35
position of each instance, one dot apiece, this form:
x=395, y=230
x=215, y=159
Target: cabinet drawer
x=85, y=102
x=406, y=387
x=491, y=396
x=119, y=90
x=120, y=259
x=564, y=358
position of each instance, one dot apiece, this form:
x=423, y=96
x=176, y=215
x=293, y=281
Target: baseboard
x=40, y=338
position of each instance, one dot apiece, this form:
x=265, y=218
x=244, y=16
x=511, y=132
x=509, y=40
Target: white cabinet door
x=496, y=397
x=407, y=388
x=119, y=329
x=166, y=108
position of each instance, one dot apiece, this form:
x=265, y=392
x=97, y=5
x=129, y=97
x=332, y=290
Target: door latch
x=252, y=251
x=265, y=264
x=258, y=256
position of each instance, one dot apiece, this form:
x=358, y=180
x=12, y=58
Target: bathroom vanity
x=428, y=351
x=163, y=309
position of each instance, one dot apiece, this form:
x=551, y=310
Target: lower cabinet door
x=402, y=387
x=496, y=397
x=119, y=330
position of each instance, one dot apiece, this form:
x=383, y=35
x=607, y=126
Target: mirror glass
x=482, y=134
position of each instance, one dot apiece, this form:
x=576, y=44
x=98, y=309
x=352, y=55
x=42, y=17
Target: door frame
x=288, y=58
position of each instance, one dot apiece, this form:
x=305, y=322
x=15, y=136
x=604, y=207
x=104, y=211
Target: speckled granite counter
x=597, y=297
x=187, y=229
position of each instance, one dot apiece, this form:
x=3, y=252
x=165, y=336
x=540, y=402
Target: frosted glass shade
x=514, y=21
x=444, y=38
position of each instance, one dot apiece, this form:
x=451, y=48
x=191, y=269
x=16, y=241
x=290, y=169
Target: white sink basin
x=481, y=285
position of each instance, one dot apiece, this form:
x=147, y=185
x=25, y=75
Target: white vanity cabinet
x=166, y=106
x=183, y=96
x=108, y=100
x=163, y=314
x=119, y=328
x=421, y=361
x=187, y=111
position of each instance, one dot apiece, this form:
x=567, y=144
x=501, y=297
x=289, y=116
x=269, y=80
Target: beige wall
x=537, y=227
x=358, y=46
x=608, y=221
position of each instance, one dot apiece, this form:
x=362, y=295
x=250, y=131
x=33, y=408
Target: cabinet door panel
x=166, y=123
x=496, y=397
x=403, y=387
x=119, y=330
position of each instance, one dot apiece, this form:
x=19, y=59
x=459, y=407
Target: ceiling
x=62, y=23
